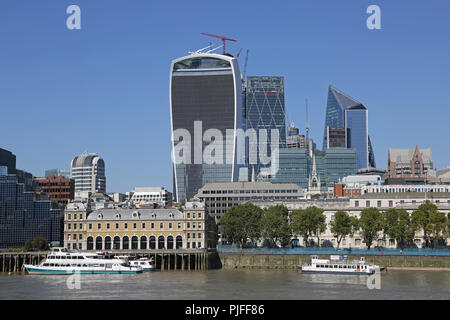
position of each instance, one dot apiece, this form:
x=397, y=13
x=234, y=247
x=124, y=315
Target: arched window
x=143, y=242
x=126, y=243
x=134, y=243
x=152, y=242
x=108, y=243
x=179, y=242
x=90, y=243
x=116, y=243
x=160, y=242
x=98, y=243
x=169, y=242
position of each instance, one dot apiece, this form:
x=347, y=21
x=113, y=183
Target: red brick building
x=59, y=189
x=341, y=190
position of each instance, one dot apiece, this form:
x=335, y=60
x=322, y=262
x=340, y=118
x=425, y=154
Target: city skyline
x=398, y=72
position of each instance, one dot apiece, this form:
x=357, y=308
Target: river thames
x=228, y=284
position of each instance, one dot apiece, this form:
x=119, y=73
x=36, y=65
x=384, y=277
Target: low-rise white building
x=353, y=206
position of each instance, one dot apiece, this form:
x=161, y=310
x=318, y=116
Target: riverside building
x=354, y=206
x=137, y=229
x=23, y=215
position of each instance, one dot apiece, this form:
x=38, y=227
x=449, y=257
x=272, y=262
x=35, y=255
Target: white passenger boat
x=339, y=265
x=146, y=263
x=61, y=261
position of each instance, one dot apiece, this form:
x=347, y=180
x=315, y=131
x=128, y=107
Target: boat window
x=80, y=257
x=52, y=264
x=45, y=264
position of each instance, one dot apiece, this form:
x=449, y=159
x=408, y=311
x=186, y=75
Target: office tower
x=206, y=100
x=294, y=139
x=336, y=137
x=356, y=124
x=8, y=159
x=296, y=166
x=337, y=105
x=24, y=216
x=88, y=171
x=265, y=109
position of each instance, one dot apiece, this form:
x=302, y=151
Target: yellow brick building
x=138, y=229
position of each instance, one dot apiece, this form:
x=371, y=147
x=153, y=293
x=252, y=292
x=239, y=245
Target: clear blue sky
x=105, y=88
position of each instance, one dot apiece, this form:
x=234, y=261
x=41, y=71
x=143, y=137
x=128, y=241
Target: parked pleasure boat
x=339, y=265
x=145, y=263
x=61, y=261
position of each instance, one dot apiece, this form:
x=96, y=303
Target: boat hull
x=337, y=272
x=48, y=271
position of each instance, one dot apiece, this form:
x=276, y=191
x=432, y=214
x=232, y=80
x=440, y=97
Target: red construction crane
x=220, y=37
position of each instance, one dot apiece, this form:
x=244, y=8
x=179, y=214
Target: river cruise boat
x=146, y=263
x=339, y=265
x=61, y=261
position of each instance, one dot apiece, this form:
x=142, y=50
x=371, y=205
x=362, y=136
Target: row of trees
x=247, y=223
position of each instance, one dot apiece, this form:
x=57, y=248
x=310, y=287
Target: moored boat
x=339, y=265
x=61, y=261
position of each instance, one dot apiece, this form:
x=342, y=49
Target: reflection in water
x=336, y=278
x=229, y=285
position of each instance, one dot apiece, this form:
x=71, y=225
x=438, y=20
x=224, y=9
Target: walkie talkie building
x=206, y=105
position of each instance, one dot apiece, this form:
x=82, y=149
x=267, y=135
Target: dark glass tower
x=357, y=131
x=265, y=109
x=205, y=89
x=356, y=124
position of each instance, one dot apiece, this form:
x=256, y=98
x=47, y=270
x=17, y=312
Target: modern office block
x=356, y=124
x=23, y=217
x=206, y=99
x=88, y=171
x=340, y=108
x=265, y=110
x=8, y=159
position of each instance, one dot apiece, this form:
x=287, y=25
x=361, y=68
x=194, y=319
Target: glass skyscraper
x=295, y=166
x=265, y=109
x=357, y=137
x=22, y=217
x=338, y=103
x=206, y=100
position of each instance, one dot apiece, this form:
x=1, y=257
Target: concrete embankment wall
x=291, y=261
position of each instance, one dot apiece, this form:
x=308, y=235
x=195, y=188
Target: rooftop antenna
x=200, y=50
x=245, y=65
x=307, y=123
x=221, y=38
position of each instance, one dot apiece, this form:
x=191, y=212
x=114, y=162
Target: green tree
x=370, y=223
x=438, y=224
x=342, y=226
x=37, y=243
x=421, y=220
x=309, y=222
x=242, y=223
x=397, y=224
x=275, y=226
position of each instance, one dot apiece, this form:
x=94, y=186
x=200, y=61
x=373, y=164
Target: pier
x=165, y=260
